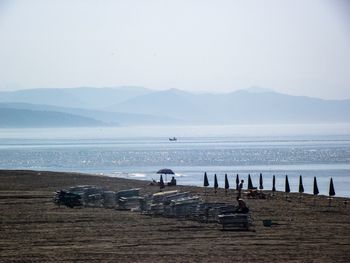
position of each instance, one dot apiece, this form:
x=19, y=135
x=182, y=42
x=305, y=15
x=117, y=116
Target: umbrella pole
x=329, y=201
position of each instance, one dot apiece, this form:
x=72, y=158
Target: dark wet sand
x=33, y=229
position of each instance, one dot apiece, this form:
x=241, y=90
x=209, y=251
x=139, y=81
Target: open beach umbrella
x=227, y=186
x=287, y=188
x=316, y=192
x=165, y=171
x=216, y=185
x=237, y=181
x=261, y=186
x=250, y=184
x=273, y=184
x=161, y=183
x=301, y=187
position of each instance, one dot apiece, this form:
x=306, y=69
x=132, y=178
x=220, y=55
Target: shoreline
x=220, y=187
x=34, y=229
x=146, y=182
x=156, y=176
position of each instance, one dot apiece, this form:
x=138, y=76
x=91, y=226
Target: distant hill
x=83, y=97
x=110, y=118
x=244, y=106
x=171, y=103
x=10, y=118
x=139, y=106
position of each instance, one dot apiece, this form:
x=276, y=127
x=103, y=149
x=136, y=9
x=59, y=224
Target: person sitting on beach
x=242, y=207
x=154, y=182
x=172, y=182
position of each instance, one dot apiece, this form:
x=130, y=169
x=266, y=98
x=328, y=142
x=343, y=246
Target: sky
x=298, y=47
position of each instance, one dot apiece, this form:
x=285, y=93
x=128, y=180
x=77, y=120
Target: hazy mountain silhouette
x=170, y=103
x=110, y=118
x=243, y=106
x=134, y=105
x=83, y=97
x=29, y=118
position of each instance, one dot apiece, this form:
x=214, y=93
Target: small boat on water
x=173, y=139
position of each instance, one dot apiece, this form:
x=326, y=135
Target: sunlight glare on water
x=136, y=153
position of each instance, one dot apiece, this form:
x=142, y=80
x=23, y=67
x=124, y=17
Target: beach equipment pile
x=182, y=205
x=173, y=204
x=95, y=196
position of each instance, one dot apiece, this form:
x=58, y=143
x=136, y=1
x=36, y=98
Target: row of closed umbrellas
x=261, y=185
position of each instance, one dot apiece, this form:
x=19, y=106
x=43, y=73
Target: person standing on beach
x=240, y=187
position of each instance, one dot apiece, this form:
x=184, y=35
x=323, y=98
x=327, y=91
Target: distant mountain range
x=130, y=105
x=82, y=97
x=17, y=118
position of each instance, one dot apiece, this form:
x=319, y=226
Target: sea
x=310, y=150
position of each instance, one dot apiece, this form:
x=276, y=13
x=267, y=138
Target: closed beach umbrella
x=206, y=182
x=237, y=181
x=161, y=182
x=227, y=186
x=261, y=186
x=250, y=184
x=315, y=187
x=331, y=191
x=331, y=188
x=315, y=190
x=216, y=185
x=287, y=188
x=301, y=187
x=273, y=183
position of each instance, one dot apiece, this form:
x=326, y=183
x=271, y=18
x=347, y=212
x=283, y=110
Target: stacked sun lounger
x=108, y=198
x=207, y=212
x=235, y=220
x=94, y=196
x=81, y=195
x=129, y=199
x=184, y=207
x=174, y=203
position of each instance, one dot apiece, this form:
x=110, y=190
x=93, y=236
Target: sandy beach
x=34, y=229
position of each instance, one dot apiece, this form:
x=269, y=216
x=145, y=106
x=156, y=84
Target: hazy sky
x=299, y=47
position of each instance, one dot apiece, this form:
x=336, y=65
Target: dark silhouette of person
x=242, y=206
x=172, y=181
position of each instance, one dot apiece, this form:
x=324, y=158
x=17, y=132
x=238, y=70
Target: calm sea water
x=138, y=152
